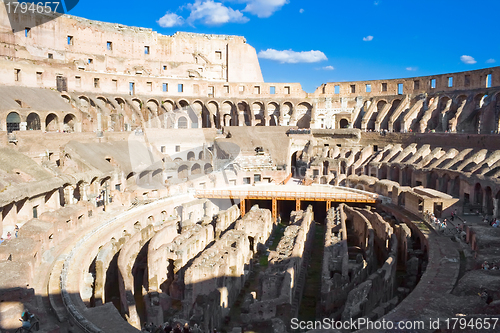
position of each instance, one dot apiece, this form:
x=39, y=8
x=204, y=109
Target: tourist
x=485, y=265
x=1, y=240
x=186, y=328
x=452, y=216
x=9, y=236
x=177, y=328
x=168, y=328
x=17, y=231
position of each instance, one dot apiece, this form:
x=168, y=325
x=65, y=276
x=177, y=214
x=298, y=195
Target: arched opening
x=325, y=168
x=273, y=110
x=488, y=200
x=33, y=122
x=208, y=168
x=182, y=172
x=344, y=123
x=243, y=108
x=432, y=180
x=206, y=121
x=13, y=122
x=51, y=123
x=182, y=122
x=213, y=111
x=343, y=167
x=478, y=194
x=69, y=123
x=190, y=156
x=298, y=167
x=304, y=112
x=407, y=174
x=444, y=183
x=201, y=156
x=196, y=169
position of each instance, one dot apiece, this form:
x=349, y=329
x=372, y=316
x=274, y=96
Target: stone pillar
x=313, y=116
x=241, y=118
x=99, y=121
x=68, y=195
x=495, y=208
x=266, y=115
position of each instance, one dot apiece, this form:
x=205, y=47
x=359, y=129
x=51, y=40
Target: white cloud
x=368, y=38
x=411, y=68
x=264, y=8
x=466, y=59
x=301, y=10
x=328, y=68
x=490, y=61
x=214, y=13
x=170, y=20
x=292, y=57
x=376, y=3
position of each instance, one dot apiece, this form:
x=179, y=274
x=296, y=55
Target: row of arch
x=33, y=122
x=184, y=114
x=477, y=113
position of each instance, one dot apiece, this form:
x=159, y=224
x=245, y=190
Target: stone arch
x=444, y=183
x=213, y=109
x=258, y=112
x=229, y=115
x=201, y=155
x=33, y=122
x=273, y=110
x=478, y=194
x=243, y=107
x=182, y=172
x=66, y=98
x=304, y=110
x=51, y=123
x=13, y=122
x=286, y=112
x=344, y=123
x=196, y=169
x=69, y=123
x=200, y=112
x=168, y=105
x=208, y=168
x=190, y=156
x=85, y=103
x=432, y=180
x=488, y=201
x=439, y=118
x=137, y=103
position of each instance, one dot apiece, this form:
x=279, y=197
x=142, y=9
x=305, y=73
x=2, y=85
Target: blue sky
x=329, y=41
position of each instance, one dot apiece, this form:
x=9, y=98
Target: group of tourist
x=494, y=222
x=489, y=266
x=172, y=328
x=9, y=235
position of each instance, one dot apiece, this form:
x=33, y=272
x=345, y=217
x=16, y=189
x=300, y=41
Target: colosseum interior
x=147, y=178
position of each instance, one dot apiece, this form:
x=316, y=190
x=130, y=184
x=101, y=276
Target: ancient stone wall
x=214, y=279
x=375, y=296
x=225, y=219
x=280, y=283
x=335, y=268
